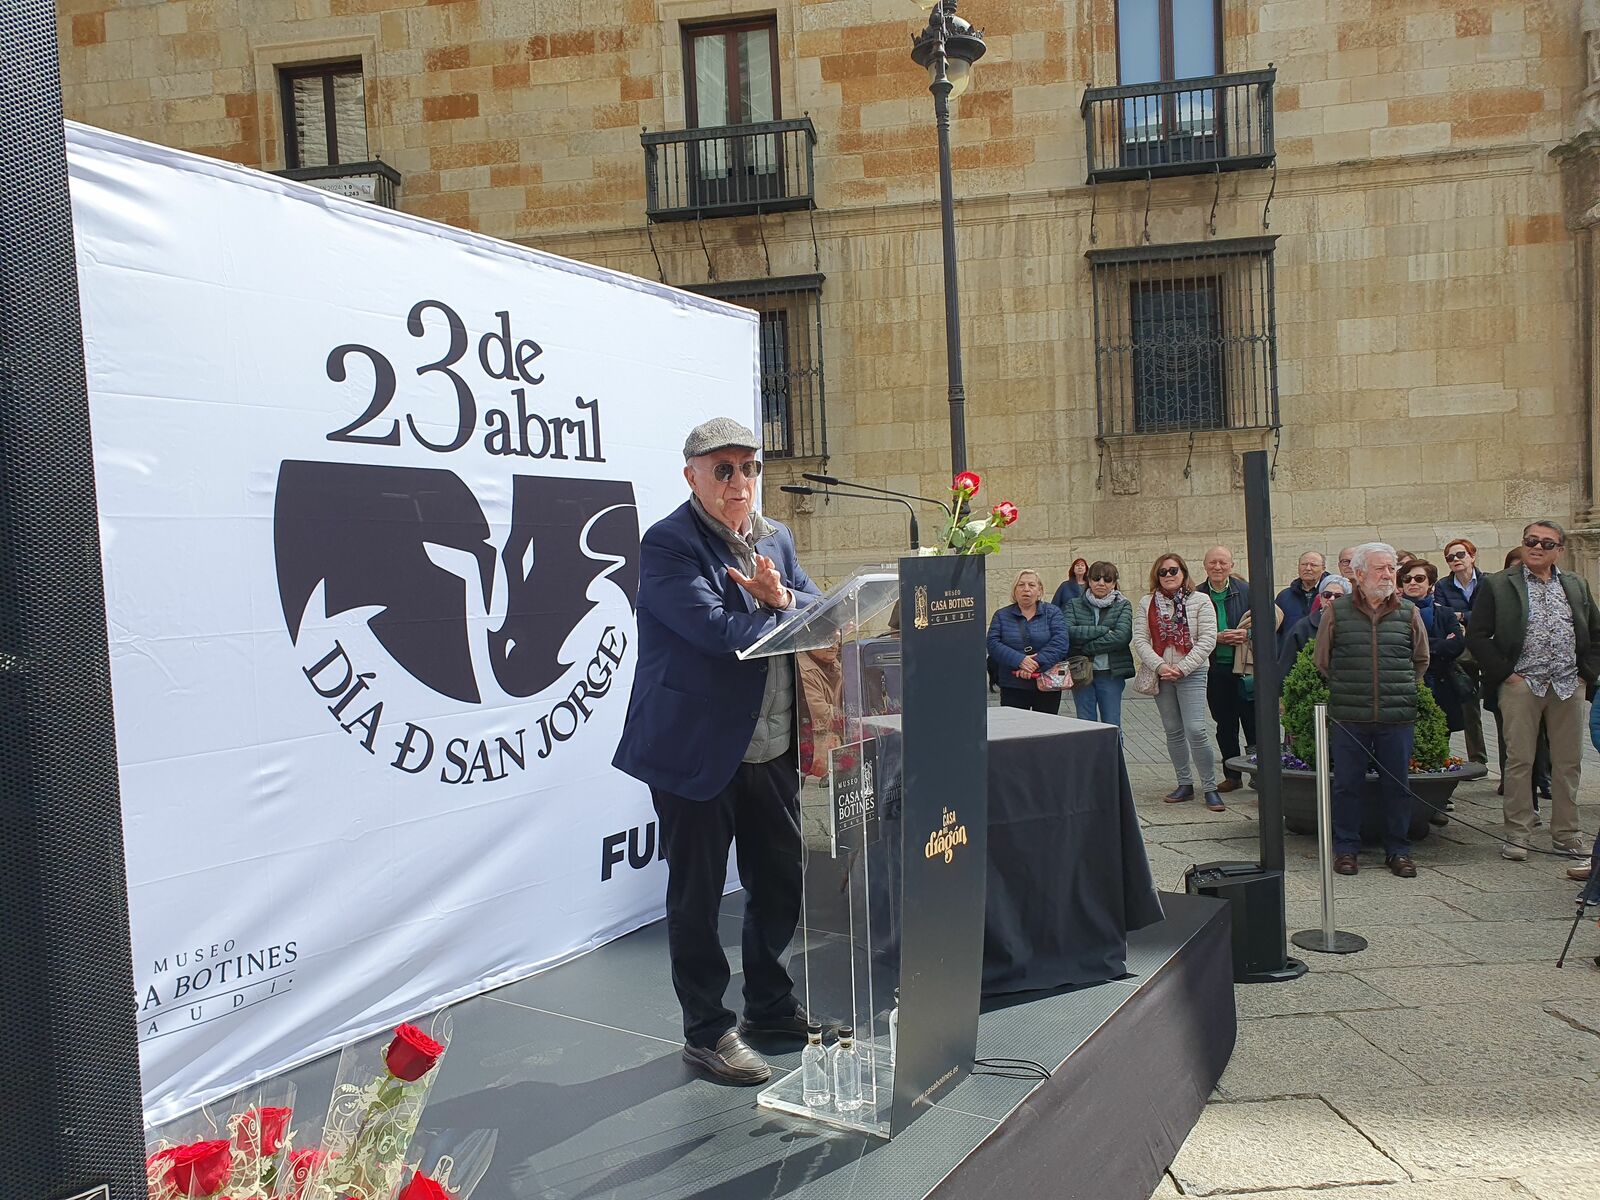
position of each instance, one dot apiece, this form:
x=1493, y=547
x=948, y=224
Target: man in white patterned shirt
x=1535, y=632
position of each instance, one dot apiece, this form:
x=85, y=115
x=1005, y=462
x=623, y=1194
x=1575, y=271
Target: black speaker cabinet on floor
x=1255, y=901
x=70, y=1119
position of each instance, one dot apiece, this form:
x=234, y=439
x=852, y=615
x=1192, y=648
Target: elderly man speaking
x=1373, y=647
x=713, y=738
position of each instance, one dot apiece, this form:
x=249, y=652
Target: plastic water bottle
x=847, y=1072
x=814, y=1070
x=894, y=1027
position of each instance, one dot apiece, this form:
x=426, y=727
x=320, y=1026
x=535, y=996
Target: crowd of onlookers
x=1522, y=643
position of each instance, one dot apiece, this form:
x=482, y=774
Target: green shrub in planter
x=1304, y=688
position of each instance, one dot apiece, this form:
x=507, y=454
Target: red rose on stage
x=412, y=1054
x=201, y=1169
x=967, y=483
x=1006, y=512
x=261, y=1130
x=423, y=1188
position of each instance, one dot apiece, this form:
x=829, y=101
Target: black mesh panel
x=69, y=1075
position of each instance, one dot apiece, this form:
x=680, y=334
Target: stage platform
x=579, y=1070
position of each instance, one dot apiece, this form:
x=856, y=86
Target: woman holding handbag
x=1028, y=648
x=1100, y=628
x=1174, y=633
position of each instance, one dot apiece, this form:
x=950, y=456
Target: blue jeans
x=1349, y=743
x=1104, y=695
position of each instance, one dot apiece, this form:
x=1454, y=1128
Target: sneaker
x=1538, y=821
x=1578, y=847
x=1579, y=874
x=1514, y=853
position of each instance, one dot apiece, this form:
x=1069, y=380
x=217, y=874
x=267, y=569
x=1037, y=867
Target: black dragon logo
x=364, y=533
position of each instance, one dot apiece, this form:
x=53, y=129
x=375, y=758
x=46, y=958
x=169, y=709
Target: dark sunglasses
x=1416, y=579
x=1166, y=571
x=723, y=471
x=1533, y=543
x=1102, y=579
x=1456, y=557
x=1332, y=594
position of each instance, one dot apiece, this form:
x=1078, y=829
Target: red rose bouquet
x=194, y=1163
x=968, y=534
x=378, y=1097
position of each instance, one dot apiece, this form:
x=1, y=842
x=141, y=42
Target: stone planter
x=1300, y=798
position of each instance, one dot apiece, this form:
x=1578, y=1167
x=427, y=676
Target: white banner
x=371, y=491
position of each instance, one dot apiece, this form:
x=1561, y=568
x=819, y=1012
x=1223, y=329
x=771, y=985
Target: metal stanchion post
x=1326, y=940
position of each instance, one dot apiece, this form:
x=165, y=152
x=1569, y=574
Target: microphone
x=795, y=489
x=831, y=481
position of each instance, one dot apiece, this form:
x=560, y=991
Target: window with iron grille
x=793, y=416
x=1185, y=337
x=324, y=115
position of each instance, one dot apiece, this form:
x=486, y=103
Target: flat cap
x=718, y=434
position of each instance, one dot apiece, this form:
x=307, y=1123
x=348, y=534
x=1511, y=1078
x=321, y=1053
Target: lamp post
x=946, y=49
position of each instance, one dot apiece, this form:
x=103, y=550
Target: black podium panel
x=946, y=824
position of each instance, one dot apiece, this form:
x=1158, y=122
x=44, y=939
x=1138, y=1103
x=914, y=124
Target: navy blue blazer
x=694, y=705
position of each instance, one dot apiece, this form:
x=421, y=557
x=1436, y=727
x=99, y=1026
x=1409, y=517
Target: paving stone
x=1485, y=984
x=1374, y=910
x=1465, y=1043
x=1454, y=1189
x=1498, y=875
x=1394, y=946
x=1482, y=1130
x=1313, y=993
x=1306, y=1056
x=1508, y=941
x=1241, y=1147
x=1559, y=1183
x=1165, y=1189
x=1554, y=901
x=1224, y=825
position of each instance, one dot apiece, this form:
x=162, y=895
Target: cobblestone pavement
x=1450, y=1060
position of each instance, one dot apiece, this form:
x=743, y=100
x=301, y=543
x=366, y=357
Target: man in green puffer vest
x=1373, y=647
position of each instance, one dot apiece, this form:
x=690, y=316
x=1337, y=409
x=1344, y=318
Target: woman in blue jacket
x=1026, y=638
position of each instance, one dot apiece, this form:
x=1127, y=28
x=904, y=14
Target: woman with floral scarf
x=1173, y=636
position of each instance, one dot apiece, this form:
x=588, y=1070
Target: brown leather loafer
x=1402, y=866
x=1345, y=864
x=730, y=1060
x=1229, y=785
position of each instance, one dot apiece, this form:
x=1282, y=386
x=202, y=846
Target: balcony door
x=1159, y=41
x=732, y=74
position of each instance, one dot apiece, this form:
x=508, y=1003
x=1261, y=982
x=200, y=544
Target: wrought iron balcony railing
x=729, y=170
x=1180, y=127
x=375, y=182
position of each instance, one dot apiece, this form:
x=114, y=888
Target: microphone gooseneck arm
x=795, y=489
x=833, y=481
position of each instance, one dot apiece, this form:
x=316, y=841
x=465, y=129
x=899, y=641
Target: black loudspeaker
x=70, y=1118
x=1255, y=901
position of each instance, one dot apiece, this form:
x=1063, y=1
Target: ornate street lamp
x=946, y=49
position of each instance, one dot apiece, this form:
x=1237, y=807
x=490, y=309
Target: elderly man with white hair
x=1373, y=648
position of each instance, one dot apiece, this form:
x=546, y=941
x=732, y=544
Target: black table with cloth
x=1068, y=875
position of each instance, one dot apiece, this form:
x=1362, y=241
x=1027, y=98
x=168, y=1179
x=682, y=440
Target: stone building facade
x=1396, y=301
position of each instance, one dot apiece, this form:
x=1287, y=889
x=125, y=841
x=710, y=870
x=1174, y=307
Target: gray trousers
x=1182, y=705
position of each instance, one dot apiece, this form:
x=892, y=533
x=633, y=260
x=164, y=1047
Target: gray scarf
x=743, y=545
x=1112, y=597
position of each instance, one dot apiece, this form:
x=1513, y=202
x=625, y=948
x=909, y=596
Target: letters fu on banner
x=371, y=491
